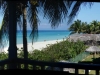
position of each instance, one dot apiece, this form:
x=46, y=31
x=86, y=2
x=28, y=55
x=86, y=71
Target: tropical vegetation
x=83, y=27
x=54, y=52
x=64, y=50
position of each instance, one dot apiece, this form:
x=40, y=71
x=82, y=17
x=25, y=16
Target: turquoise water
x=44, y=35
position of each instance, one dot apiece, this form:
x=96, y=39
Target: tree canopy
x=83, y=27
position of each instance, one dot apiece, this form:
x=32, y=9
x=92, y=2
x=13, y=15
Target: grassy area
x=89, y=59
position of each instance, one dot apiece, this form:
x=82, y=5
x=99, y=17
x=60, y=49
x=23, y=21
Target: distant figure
x=44, y=40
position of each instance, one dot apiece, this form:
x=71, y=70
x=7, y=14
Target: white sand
x=36, y=45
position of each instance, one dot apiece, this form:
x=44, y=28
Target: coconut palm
x=83, y=27
x=24, y=10
x=25, y=34
x=97, y=28
x=89, y=29
x=92, y=27
x=76, y=27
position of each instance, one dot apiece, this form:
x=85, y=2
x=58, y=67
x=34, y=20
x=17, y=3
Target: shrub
x=60, y=51
x=55, y=52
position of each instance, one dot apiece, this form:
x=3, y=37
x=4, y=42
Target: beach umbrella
x=93, y=49
x=95, y=37
x=85, y=37
x=73, y=37
x=90, y=38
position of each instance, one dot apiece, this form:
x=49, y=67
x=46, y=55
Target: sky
x=86, y=14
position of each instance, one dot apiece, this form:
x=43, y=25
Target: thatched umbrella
x=94, y=38
x=97, y=37
x=85, y=37
x=73, y=37
x=93, y=49
x=89, y=38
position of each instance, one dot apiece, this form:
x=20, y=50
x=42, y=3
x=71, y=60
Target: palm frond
x=69, y=3
x=88, y=3
x=55, y=11
x=75, y=9
x=4, y=27
x=19, y=15
x=19, y=22
x=1, y=3
x=3, y=6
x=33, y=20
x=4, y=30
x=97, y=31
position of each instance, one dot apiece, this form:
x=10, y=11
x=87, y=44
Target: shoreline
x=36, y=45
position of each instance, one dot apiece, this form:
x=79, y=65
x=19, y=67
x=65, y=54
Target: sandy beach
x=36, y=45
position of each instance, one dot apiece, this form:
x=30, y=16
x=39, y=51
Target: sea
x=46, y=35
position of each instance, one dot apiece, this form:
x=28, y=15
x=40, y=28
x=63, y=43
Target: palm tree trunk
x=25, y=36
x=12, y=33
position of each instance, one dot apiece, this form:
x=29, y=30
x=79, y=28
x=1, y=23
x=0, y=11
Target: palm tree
x=25, y=34
x=92, y=27
x=24, y=10
x=89, y=29
x=83, y=27
x=97, y=27
x=12, y=33
x=76, y=27
x=5, y=30
x=93, y=24
x=12, y=16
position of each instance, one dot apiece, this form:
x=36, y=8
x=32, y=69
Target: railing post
x=76, y=71
x=42, y=67
x=34, y=67
x=19, y=66
x=2, y=67
x=86, y=71
x=97, y=72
